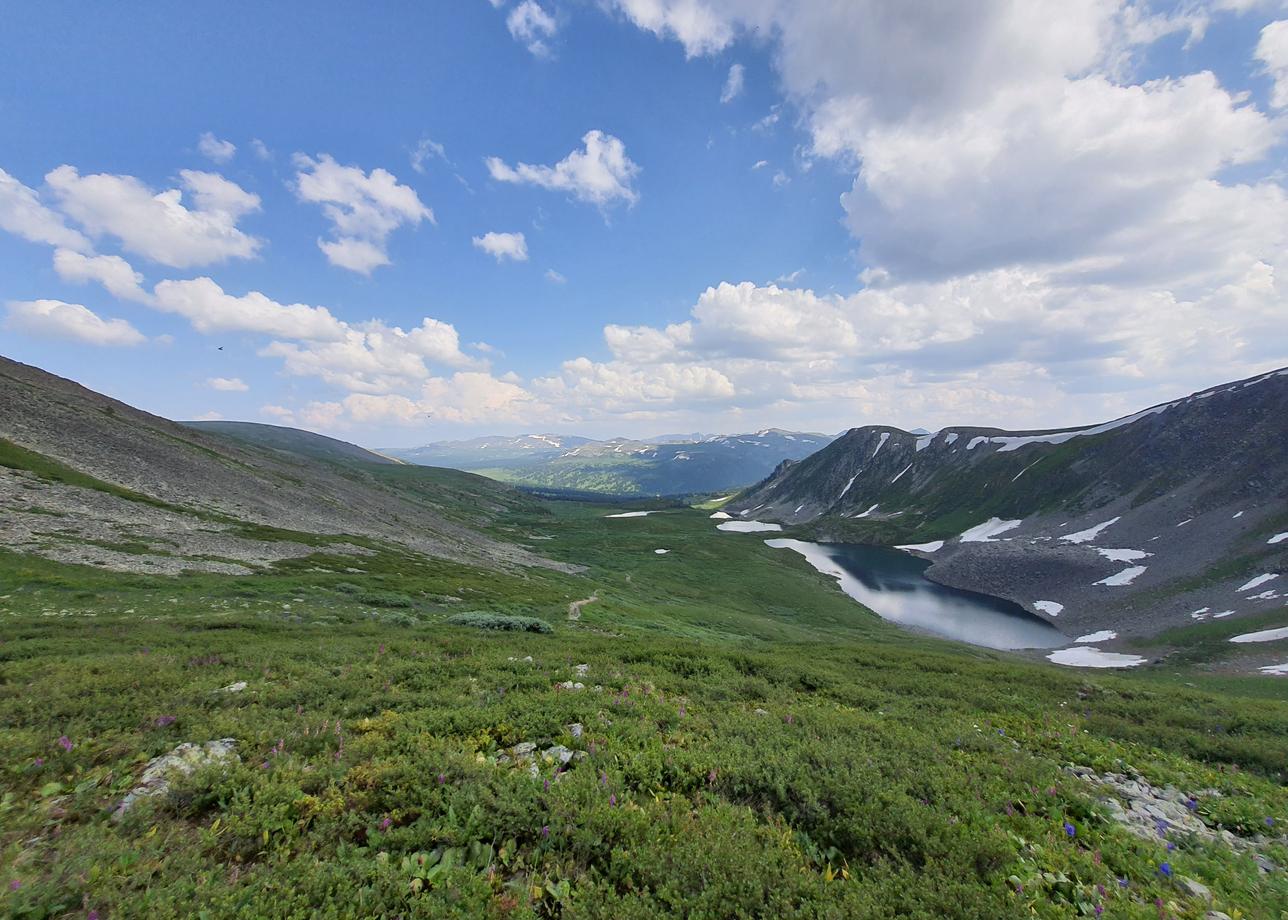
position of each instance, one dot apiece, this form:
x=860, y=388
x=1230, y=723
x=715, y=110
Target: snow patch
x=721, y=516
x=1275, y=669
x=629, y=514
x=1259, y=580
x=923, y=443
x=1184, y=522
x=1050, y=608
x=661, y=552
x=984, y=533
x=1123, y=555
x=1015, y=442
x=885, y=436
x=1223, y=614
x=950, y=438
x=932, y=546
x=901, y=472
x=1125, y=577
x=747, y=527
x=1086, y=536
x=1084, y=656
x=1103, y=636
x=1265, y=635
x=1278, y=538
x=1238, y=514
x=866, y=513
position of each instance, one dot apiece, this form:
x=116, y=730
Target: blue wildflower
x=1070, y=829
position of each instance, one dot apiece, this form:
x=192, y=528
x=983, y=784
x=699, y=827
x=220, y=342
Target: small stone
x=581, y=670
x=1194, y=889
x=1216, y=915
x=761, y=712
x=523, y=750
x=181, y=761
x=235, y=688
x=1264, y=864
x=575, y=729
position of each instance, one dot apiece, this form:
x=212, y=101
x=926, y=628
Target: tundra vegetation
x=722, y=733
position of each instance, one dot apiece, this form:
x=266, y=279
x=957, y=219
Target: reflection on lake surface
x=891, y=583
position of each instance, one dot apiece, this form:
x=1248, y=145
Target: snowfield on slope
x=984, y=533
x=1125, y=577
x=1086, y=536
x=1084, y=656
x=747, y=527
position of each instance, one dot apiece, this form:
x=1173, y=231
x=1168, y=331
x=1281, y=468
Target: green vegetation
x=500, y=622
x=756, y=745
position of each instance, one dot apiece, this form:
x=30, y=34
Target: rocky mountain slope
x=620, y=466
x=1172, y=516
x=293, y=441
x=85, y=478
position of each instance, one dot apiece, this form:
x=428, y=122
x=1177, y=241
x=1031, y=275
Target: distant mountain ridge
x=90, y=480
x=671, y=465
x=1191, y=492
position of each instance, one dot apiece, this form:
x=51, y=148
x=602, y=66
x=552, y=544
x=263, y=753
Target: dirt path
x=574, y=609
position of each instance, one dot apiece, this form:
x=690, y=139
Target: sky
x=420, y=221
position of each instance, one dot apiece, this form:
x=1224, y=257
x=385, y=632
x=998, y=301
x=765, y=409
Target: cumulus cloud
x=54, y=319
x=227, y=384
x=23, y=214
x=157, y=225
x=733, y=84
x=1039, y=229
x=214, y=149
x=1272, y=51
x=555, y=277
x=205, y=305
x=363, y=208
x=532, y=26
x=600, y=173
x=426, y=150
x=694, y=23
x=502, y=246
x=113, y=272
x=373, y=357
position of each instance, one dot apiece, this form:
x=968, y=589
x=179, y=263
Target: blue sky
x=734, y=213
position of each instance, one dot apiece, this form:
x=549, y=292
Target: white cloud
x=261, y=149
x=600, y=173
x=227, y=384
x=55, y=319
x=427, y=149
x=373, y=357
x=113, y=272
x=759, y=164
x=781, y=179
x=693, y=23
x=1272, y=51
x=733, y=84
x=555, y=277
x=158, y=226
x=363, y=208
x=211, y=416
x=205, y=305
x=212, y=148
x=22, y=214
x=532, y=26
x=502, y=246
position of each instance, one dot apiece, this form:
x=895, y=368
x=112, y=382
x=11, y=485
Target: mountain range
x=670, y=465
x=1171, y=516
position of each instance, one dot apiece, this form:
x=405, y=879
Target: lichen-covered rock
x=183, y=760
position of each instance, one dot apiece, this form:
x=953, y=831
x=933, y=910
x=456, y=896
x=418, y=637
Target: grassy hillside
x=755, y=745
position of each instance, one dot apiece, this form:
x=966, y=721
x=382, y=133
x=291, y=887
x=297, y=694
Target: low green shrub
x=500, y=622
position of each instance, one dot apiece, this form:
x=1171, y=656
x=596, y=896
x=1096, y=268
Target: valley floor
x=721, y=733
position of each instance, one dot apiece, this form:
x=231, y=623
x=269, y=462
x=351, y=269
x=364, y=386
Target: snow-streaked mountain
x=670, y=465
x=1154, y=520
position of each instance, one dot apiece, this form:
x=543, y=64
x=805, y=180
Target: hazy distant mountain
x=1175, y=514
x=669, y=465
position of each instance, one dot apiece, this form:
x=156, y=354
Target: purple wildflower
x=612, y=799
x=1123, y=883
x=442, y=778
x=1170, y=846
x=1070, y=829
x=1192, y=803
x=40, y=761
x=15, y=885
x=1099, y=910
x=545, y=830
x=386, y=822
x=163, y=721
x=65, y=743
x=92, y=915
x=1270, y=822
x=1165, y=869
x=547, y=785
